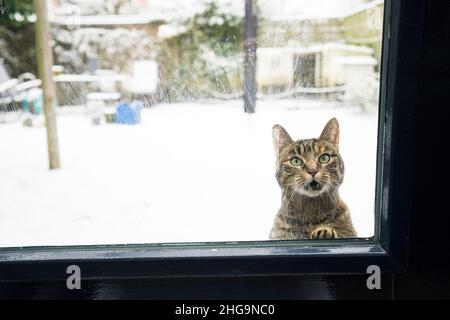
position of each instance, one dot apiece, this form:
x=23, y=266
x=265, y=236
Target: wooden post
x=44, y=58
x=250, y=45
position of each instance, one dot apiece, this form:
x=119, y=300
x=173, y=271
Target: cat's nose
x=312, y=172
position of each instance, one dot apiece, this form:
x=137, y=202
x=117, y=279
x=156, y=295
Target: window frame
x=401, y=48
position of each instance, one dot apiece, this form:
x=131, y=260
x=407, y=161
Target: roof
x=356, y=60
x=364, y=7
x=337, y=46
x=297, y=13
x=104, y=20
x=276, y=10
x=140, y=12
x=319, y=48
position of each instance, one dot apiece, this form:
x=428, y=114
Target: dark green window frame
x=402, y=36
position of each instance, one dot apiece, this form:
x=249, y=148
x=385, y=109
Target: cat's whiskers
x=292, y=193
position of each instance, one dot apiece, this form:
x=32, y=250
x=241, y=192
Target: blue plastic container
x=33, y=102
x=127, y=113
x=36, y=105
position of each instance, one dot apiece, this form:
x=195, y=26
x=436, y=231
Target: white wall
x=274, y=67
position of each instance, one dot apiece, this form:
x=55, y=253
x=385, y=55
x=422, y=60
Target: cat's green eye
x=296, y=161
x=325, y=158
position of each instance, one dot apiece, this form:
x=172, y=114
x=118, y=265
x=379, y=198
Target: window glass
x=180, y=121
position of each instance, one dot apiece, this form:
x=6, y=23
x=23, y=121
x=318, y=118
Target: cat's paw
x=323, y=233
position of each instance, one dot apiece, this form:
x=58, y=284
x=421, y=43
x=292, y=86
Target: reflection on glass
x=155, y=144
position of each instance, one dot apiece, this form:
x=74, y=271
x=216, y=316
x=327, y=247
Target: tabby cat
x=309, y=173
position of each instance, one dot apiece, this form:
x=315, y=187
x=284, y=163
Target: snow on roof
x=287, y=10
x=338, y=46
x=142, y=12
x=364, y=7
x=356, y=60
x=318, y=48
x=102, y=20
x=89, y=78
x=274, y=10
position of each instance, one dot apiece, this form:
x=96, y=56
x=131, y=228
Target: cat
x=309, y=173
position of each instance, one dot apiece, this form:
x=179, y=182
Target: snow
x=170, y=30
x=144, y=79
x=27, y=85
x=137, y=12
x=331, y=46
x=8, y=85
x=364, y=7
x=356, y=60
x=4, y=76
x=98, y=13
x=300, y=10
x=103, y=96
x=216, y=63
x=90, y=78
x=188, y=172
x=104, y=20
x=183, y=9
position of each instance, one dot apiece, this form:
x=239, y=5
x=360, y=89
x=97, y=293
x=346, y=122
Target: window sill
x=185, y=260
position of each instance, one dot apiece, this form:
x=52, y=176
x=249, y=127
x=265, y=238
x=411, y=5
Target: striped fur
x=311, y=207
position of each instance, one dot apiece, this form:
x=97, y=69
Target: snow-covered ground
x=188, y=172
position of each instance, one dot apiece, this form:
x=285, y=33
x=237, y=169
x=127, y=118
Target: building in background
x=301, y=43
x=322, y=49
x=322, y=65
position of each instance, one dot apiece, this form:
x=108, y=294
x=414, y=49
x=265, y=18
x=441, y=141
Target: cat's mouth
x=312, y=189
x=314, y=185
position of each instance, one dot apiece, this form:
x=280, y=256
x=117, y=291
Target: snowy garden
x=154, y=143
x=187, y=172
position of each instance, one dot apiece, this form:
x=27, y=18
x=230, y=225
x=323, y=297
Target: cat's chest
x=296, y=228
x=306, y=218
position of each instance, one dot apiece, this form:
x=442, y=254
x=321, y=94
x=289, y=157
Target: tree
x=204, y=53
x=15, y=14
x=17, y=43
x=114, y=47
x=44, y=58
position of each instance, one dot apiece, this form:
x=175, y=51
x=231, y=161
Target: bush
x=17, y=39
x=202, y=54
x=363, y=93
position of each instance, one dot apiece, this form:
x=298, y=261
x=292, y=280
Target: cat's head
x=311, y=167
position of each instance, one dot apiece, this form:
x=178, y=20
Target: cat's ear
x=280, y=138
x=331, y=132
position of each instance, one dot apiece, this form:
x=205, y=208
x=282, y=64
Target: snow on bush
x=201, y=53
x=114, y=48
x=363, y=93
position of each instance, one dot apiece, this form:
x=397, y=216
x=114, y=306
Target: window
x=167, y=159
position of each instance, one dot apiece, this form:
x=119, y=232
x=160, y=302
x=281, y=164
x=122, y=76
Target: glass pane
x=166, y=117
